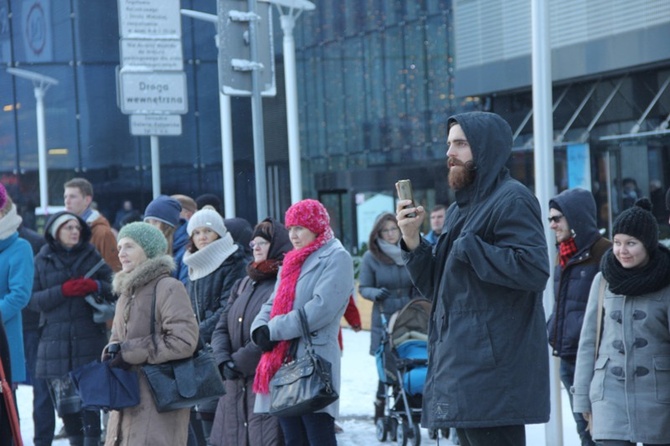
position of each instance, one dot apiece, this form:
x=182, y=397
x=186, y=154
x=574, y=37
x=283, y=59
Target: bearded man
x=488, y=365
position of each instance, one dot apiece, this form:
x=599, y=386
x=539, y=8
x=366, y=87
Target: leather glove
x=261, y=337
x=79, y=287
x=382, y=294
x=118, y=362
x=230, y=371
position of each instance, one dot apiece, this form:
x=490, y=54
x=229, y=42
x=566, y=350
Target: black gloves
x=261, y=337
x=118, y=362
x=382, y=294
x=229, y=371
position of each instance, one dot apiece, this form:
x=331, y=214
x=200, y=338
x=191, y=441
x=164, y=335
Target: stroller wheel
x=393, y=429
x=416, y=435
x=382, y=428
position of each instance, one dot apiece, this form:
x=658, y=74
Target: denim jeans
x=44, y=417
x=567, y=371
x=314, y=429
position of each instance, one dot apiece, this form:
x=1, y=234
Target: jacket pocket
x=597, y=390
x=662, y=376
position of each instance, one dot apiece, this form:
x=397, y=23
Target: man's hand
x=410, y=226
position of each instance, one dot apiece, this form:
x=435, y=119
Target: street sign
x=235, y=66
x=153, y=19
x=157, y=55
x=152, y=92
x=155, y=125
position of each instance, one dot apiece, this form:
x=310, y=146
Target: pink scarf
x=283, y=303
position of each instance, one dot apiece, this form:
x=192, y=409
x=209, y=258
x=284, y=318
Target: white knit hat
x=207, y=217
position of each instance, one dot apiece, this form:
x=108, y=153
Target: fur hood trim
x=127, y=283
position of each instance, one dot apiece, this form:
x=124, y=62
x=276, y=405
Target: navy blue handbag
x=108, y=388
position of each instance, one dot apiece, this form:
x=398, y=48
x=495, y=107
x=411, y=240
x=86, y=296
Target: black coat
x=69, y=337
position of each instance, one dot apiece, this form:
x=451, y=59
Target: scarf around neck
x=654, y=276
x=205, y=261
x=393, y=251
x=10, y=223
x=566, y=250
x=283, y=304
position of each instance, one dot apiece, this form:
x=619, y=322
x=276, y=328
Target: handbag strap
x=599, y=321
x=94, y=269
x=305, y=329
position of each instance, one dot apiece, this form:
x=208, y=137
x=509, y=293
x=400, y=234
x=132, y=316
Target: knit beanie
x=207, y=217
x=309, y=214
x=165, y=209
x=150, y=238
x=640, y=223
x=3, y=196
x=60, y=221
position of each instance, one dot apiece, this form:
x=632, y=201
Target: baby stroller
x=402, y=360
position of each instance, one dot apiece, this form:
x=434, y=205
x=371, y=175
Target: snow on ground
x=359, y=383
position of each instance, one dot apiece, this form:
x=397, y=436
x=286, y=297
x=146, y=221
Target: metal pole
x=544, y=189
x=42, y=150
x=257, y=122
x=291, y=85
x=227, y=155
x=155, y=166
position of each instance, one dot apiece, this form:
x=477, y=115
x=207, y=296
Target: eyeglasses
x=555, y=219
x=389, y=231
x=71, y=228
x=262, y=244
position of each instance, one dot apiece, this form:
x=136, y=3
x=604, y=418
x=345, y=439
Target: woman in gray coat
x=385, y=281
x=318, y=277
x=623, y=388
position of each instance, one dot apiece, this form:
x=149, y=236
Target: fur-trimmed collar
x=127, y=283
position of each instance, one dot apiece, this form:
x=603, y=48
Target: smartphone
x=404, y=188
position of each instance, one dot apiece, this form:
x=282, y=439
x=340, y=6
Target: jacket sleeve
x=176, y=330
x=107, y=246
x=351, y=314
x=586, y=353
x=44, y=298
x=235, y=273
x=367, y=278
x=104, y=278
x=21, y=271
x=221, y=336
x=517, y=256
x=420, y=264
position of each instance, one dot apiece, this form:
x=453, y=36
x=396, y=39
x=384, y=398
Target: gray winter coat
x=376, y=274
x=326, y=281
x=487, y=353
x=627, y=389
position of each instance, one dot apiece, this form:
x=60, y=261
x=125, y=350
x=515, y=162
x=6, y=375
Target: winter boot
x=92, y=441
x=379, y=409
x=76, y=440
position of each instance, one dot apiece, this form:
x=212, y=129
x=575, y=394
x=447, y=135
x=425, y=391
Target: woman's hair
x=264, y=230
x=376, y=233
x=168, y=232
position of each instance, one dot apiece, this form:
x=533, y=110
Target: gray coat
x=326, y=281
x=376, y=274
x=627, y=388
x=488, y=362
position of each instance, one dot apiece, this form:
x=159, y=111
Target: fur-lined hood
x=127, y=283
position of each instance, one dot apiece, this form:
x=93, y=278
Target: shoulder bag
x=185, y=382
x=303, y=385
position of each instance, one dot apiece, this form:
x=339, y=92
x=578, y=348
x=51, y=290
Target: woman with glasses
x=385, y=281
x=235, y=422
x=215, y=262
x=65, y=272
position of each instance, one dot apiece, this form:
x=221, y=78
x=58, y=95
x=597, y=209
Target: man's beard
x=461, y=175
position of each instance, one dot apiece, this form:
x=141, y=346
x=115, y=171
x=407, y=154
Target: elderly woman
x=622, y=383
x=69, y=336
x=318, y=277
x=147, y=271
x=235, y=421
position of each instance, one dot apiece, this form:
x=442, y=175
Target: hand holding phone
x=404, y=188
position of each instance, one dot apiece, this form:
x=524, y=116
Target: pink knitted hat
x=309, y=214
x=3, y=196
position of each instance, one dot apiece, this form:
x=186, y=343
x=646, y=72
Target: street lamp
x=41, y=84
x=289, y=11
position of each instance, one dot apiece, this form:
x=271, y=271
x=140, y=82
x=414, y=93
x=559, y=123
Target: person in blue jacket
x=488, y=364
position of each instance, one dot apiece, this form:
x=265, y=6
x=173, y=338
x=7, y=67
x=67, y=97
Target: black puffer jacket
x=572, y=284
x=210, y=293
x=69, y=337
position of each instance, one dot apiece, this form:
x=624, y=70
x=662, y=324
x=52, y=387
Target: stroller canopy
x=410, y=322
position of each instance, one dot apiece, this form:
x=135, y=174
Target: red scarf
x=283, y=304
x=566, y=250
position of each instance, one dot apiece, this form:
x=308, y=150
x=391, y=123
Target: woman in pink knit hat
x=317, y=276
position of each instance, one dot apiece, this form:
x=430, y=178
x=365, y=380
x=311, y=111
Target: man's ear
x=88, y=199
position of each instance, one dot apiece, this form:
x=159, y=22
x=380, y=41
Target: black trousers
x=493, y=436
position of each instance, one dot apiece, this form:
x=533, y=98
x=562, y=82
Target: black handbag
x=303, y=385
x=184, y=382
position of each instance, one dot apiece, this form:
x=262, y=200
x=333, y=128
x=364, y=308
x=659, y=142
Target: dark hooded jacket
x=69, y=336
x=573, y=283
x=488, y=360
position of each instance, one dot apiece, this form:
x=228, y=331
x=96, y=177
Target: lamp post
x=226, y=128
x=41, y=84
x=289, y=11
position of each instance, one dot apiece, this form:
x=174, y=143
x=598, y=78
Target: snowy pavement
x=359, y=383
